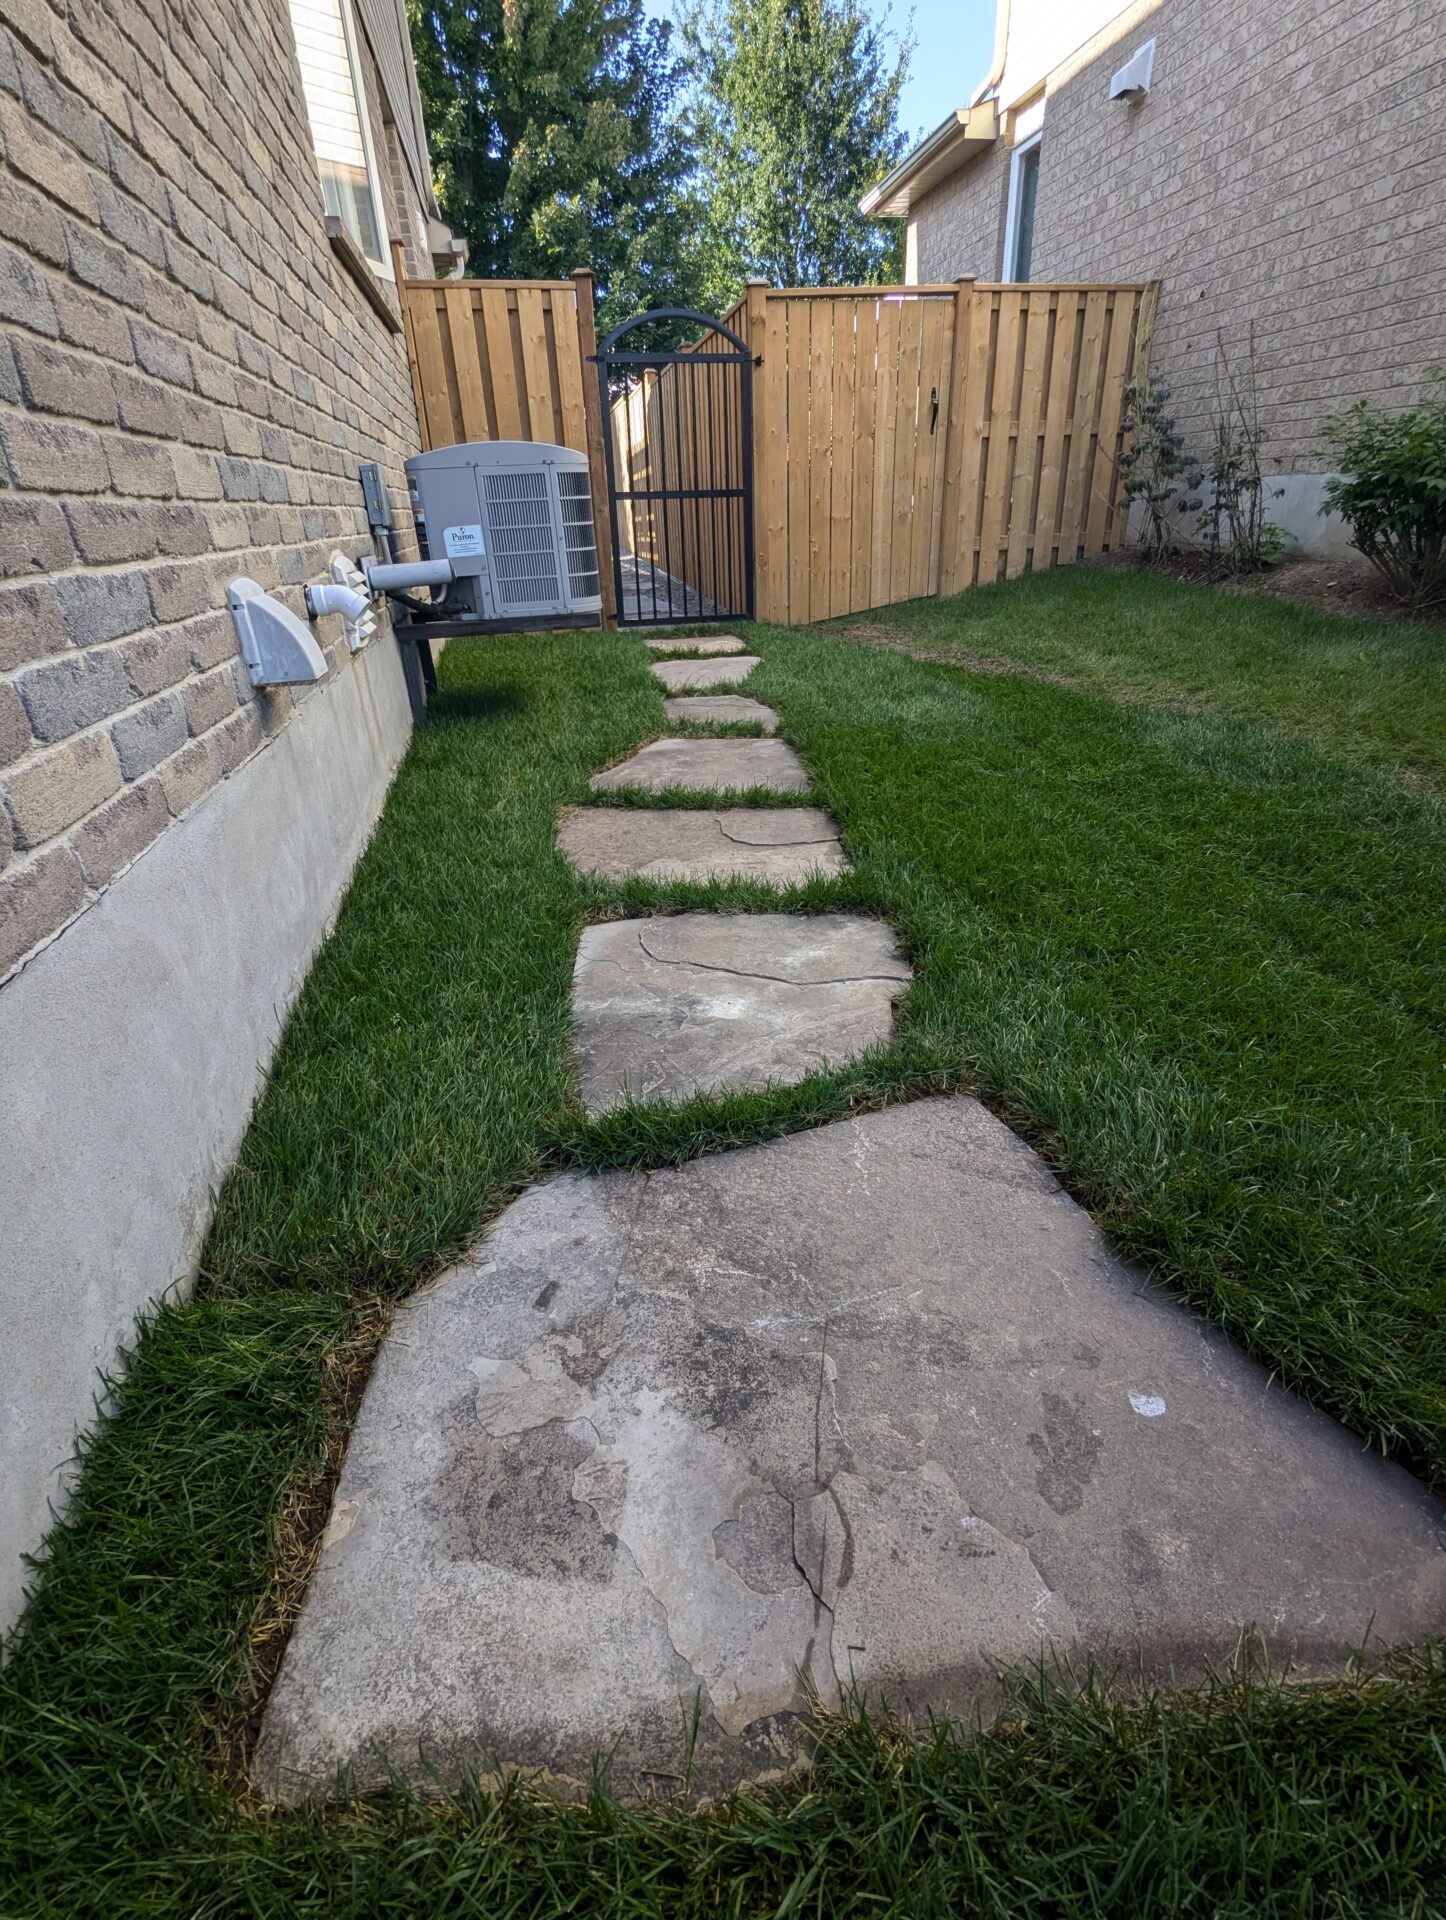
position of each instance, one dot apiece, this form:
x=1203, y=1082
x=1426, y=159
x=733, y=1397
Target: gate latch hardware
x=934, y=403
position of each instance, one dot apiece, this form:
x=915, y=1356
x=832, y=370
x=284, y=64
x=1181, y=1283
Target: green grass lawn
x=1177, y=919
x=1367, y=690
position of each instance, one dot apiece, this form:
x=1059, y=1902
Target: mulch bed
x=1341, y=583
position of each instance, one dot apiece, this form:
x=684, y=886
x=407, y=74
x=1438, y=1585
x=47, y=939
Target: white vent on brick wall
x=1132, y=80
x=275, y=645
x=513, y=522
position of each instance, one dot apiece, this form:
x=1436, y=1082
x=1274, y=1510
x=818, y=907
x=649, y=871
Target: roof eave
x=967, y=131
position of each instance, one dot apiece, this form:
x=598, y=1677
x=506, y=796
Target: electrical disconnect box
x=512, y=520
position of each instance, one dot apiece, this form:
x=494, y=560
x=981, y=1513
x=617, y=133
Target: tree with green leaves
x=556, y=144
x=794, y=115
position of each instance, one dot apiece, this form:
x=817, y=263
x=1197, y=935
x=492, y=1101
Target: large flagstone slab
x=694, y=643
x=725, y=672
x=680, y=1003
x=779, y=844
x=722, y=706
x=708, y=764
x=871, y=1403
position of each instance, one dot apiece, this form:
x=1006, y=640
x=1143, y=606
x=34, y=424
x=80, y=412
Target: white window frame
x=383, y=267
x=1011, y=218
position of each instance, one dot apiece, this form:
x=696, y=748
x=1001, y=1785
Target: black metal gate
x=679, y=446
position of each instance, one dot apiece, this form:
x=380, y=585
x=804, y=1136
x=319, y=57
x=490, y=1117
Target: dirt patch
x=298, y=1540
x=871, y=634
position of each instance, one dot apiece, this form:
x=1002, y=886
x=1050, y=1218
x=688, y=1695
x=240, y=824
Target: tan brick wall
x=959, y=227
x=189, y=380
x=1288, y=167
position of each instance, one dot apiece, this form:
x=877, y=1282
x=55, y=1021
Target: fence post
x=755, y=329
x=955, y=437
x=596, y=428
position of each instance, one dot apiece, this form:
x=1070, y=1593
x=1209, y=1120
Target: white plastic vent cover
x=514, y=518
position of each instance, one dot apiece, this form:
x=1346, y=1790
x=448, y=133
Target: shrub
x=1232, y=526
x=1154, y=467
x=1392, y=490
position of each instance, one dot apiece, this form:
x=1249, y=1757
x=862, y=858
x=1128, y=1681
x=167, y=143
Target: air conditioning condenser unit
x=506, y=530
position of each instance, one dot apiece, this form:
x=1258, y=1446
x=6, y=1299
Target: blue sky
x=954, y=41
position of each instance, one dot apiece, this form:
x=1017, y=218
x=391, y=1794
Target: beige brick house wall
x=189, y=379
x=961, y=220
x=1287, y=169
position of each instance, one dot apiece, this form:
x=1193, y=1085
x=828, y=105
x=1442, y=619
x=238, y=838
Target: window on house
x=326, y=49
x=1019, y=222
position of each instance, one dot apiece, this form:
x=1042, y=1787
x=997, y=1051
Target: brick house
x=202, y=204
x=1284, y=165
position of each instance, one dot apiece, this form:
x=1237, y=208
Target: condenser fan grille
x=519, y=518
x=579, y=537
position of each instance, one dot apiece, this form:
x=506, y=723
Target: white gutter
x=966, y=131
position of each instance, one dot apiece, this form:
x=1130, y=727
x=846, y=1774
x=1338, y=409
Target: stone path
x=720, y=672
x=717, y=764
x=781, y=844
x=651, y=594
x=699, y=1001
x=871, y=1405
x=727, y=707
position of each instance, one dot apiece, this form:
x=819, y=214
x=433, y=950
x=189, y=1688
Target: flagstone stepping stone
x=726, y=672
x=695, y=643
x=722, y=706
x=780, y=844
x=717, y=764
x=871, y=1404
x=677, y=1003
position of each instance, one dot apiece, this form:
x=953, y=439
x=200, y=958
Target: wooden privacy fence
x=510, y=360
x=913, y=441
x=905, y=440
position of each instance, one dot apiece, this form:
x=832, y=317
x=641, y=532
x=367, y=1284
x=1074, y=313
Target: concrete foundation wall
x=191, y=377
x=134, y=1046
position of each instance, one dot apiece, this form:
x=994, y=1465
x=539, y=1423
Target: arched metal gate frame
x=678, y=442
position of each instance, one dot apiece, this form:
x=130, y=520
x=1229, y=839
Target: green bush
x=1392, y=490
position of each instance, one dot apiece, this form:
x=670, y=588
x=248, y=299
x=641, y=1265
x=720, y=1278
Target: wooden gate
x=917, y=440
x=1036, y=430
x=854, y=409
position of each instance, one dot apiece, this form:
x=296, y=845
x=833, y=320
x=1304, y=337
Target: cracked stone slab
x=872, y=1403
x=691, y=1002
x=696, y=643
x=727, y=672
x=779, y=844
x=717, y=764
x=722, y=706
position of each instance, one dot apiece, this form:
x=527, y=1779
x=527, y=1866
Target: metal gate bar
x=697, y=473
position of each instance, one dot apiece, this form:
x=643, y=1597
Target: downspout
x=1001, y=46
